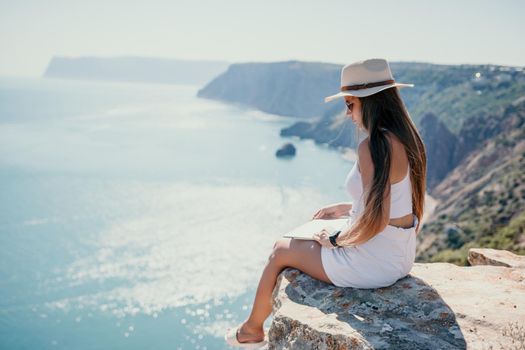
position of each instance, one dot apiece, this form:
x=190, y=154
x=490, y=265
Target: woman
x=379, y=246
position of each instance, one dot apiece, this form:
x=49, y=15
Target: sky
x=442, y=32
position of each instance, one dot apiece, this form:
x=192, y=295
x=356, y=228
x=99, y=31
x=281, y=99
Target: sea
x=139, y=216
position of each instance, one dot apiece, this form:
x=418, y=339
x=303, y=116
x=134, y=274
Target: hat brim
x=365, y=92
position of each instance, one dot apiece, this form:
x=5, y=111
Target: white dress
x=386, y=257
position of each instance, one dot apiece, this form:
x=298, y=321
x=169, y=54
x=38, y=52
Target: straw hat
x=365, y=78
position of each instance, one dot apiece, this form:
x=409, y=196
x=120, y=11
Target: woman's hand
x=333, y=211
x=322, y=238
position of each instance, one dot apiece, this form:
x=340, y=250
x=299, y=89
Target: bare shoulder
x=365, y=163
x=394, y=141
x=399, y=160
x=397, y=147
x=363, y=152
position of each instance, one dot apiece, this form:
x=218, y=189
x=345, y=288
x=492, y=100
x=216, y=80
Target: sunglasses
x=349, y=104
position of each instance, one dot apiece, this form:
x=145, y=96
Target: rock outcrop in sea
x=286, y=150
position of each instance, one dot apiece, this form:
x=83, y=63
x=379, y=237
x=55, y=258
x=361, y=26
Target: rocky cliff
x=290, y=88
x=482, y=200
x=436, y=306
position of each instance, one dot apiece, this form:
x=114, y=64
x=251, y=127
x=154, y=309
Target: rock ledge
x=437, y=306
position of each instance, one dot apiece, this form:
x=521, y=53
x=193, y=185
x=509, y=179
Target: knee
x=280, y=249
x=281, y=242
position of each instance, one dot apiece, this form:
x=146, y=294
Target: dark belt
x=367, y=85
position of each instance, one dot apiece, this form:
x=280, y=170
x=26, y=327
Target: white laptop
x=307, y=230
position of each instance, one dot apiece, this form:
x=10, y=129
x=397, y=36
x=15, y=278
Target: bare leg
x=302, y=255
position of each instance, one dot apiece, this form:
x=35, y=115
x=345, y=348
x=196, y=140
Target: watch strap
x=333, y=237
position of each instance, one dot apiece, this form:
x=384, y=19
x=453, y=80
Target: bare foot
x=247, y=334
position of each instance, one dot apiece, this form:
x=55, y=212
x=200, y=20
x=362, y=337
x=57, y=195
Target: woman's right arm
x=345, y=207
x=334, y=210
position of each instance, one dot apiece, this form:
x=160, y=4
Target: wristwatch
x=333, y=237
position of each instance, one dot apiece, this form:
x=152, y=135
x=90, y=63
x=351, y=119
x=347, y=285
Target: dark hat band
x=367, y=85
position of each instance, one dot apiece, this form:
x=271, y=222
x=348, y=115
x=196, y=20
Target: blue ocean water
x=138, y=216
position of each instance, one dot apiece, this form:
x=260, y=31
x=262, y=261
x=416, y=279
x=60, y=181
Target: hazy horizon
x=468, y=32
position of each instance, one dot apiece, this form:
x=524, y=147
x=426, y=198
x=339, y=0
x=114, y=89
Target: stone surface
x=487, y=256
x=437, y=306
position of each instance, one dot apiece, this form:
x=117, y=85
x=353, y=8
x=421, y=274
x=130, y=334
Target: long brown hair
x=386, y=109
